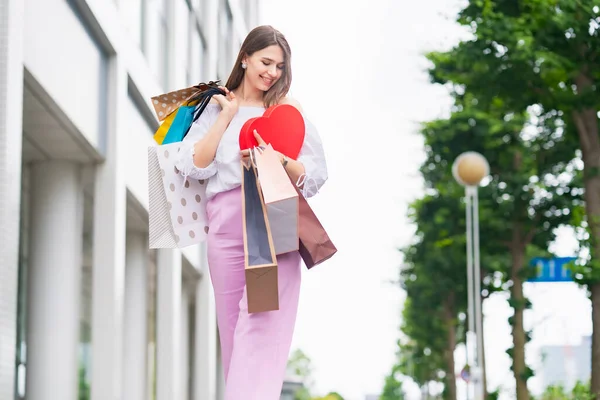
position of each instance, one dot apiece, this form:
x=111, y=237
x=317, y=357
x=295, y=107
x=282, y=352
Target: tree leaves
x=522, y=86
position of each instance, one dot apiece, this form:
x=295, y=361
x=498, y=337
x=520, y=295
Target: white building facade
x=86, y=310
x=566, y=365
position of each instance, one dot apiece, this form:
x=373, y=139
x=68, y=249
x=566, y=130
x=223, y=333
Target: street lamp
x=469, y=169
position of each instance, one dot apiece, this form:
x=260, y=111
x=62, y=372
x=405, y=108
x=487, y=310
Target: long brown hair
x=259, y=38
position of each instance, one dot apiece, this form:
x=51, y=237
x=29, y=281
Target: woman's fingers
x=259, y=139
x=220, y=98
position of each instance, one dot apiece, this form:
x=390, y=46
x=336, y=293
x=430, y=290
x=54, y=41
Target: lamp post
x=469, y=169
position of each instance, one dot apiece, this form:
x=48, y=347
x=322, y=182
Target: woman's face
x=265, y=67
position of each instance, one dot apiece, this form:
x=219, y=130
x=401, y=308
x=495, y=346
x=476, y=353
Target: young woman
x=254, y=347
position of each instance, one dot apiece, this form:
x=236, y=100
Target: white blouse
x=224, y=172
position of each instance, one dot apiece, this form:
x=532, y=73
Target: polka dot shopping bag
x=177, y=215
x=177, y=205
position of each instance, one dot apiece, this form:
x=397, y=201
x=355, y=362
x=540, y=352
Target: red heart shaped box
x=281, y=125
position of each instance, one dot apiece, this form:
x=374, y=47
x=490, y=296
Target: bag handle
x=252, y=158
x=302, y=184
x=203, y=98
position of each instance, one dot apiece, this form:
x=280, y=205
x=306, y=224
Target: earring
x=244, y=65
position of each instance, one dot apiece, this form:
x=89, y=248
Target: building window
x=85, y=335
x=151, y=326
x=155, y=40
x=21, y=362
x=225, y=57
x=248, y=10
x=202, y=7
x=197, y=4
x=196, y=56
x=132, y=11
x=163, y=54
x=143, y=25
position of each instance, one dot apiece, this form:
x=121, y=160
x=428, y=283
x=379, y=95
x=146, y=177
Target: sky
x=359, y=73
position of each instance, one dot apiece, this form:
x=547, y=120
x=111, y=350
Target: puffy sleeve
x=312, y=156
x=185, y=163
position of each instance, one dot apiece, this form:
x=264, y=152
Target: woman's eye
x=281, y=67
x=265, y=63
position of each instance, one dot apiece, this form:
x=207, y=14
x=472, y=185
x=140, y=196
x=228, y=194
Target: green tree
x=556, y=392
x=434, y=277
x=434, y=280
x=84, y=386
x=300, y=365
x=392, y=389
x=527, y=203
x=330, y=396
x=544, y=53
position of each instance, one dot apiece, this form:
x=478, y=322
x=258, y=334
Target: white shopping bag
x=177, y=215
x=281, y=200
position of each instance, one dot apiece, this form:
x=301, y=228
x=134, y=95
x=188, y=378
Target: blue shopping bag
x=177, y=123
x=180, y=125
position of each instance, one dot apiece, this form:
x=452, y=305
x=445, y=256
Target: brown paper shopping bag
x=281, y=200
x=260, y=260
x=165, y=104
x=315, y=244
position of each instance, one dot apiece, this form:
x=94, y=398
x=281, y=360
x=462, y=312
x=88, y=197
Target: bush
x=580, y=391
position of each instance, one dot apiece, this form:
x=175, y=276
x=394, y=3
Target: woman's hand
x=228, y=102
x=261, y=143
x=294, y=169
x=206, y=148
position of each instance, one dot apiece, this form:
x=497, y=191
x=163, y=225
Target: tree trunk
x=449, y=321
x=586, y=122
x=518, y=329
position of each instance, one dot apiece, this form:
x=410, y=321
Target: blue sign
x=552, y=269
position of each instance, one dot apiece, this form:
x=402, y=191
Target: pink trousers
x=254, y=347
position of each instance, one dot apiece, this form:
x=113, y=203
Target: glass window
x=162, y=61
x=132, y=11
x=248, y=11
x=202, y=7
x=85, y=317
x=144, y=25
x=197, y=4
x=156, y=37
x=224, y=61
x=195, y=71
x=21, y=350
x=85, y=336
x=151, y=344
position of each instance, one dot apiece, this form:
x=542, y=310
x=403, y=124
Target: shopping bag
x=165, y=104
x=316, y=246
x=179, y=109
x=281, y=200
x=160, y=229
x=259, y=253
x=175, y=125
x=184, y=200
x=177, y=209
